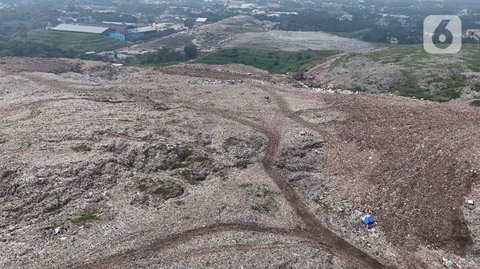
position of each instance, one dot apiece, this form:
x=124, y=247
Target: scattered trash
x=368, y=220
x=304, y=133
x=471, y=202
x=57, y=230
x=449, y=263
x=217, y=81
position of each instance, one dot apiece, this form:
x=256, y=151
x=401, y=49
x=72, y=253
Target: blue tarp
x=368, y=220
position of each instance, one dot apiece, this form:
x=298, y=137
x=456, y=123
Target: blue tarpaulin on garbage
x=368, y=220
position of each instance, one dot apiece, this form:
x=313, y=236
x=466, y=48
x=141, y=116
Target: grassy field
x=405, y=55
x=279, y=62
x=475, y=103
x=415, y=56
x=77, y=42
x=432, y=77
x=471, y=57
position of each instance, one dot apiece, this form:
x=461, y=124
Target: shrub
x=475, y=103
x=84, y=218
x=245, y=185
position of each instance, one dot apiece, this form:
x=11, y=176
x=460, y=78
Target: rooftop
x=119, y=23
x=80, y=28
x=143, y=29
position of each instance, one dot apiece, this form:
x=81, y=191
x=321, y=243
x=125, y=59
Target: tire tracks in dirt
x=170, y=241
x=340, y=147
x=334, y=243
x=314, y=230
x=235, y=248
x=268, y=162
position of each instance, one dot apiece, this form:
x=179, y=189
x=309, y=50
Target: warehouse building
x=87, y=29
x=141, y=32
x=127, y=33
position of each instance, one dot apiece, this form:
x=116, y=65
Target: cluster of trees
x=317, y=21
x=412, y=34
x=14, y=26
x=191, y=52
x=364, y=26
x=281, y=62
x=17, y=24
x=21, y=48
x=369, y=24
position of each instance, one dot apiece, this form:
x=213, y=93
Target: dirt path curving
x=186, y=236
x=314, y=231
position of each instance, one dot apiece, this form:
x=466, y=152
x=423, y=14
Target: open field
x=297, y=41
x=227, y=166
x=77, y=42
x=246, y=32
x=403, y=70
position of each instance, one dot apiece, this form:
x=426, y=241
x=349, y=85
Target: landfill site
x=247, y=32
x=228, y=167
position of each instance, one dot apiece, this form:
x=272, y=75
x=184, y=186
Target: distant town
x=80, y=28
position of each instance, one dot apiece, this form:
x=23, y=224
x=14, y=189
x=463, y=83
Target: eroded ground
x=115, y=167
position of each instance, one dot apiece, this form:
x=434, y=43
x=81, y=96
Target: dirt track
x=314, y=230
x=279, y=114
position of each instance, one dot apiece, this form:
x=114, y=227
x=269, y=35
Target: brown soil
x=411, y=162
x=423, y=165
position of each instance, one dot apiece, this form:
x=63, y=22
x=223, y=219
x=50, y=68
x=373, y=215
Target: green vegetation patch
x=156, y=190
x=455, y=80
x=409, y=88
x=179, y=202
x=142, y=187
x=412, y=90
x=279, y=62
x=415, y=56
x=245, y=185
x=471, y=56
x=475, y=103
x=188, y=161
x=399, y=54
x=84, y=218
x=261, y=208
x=78, y=42
x=476, y=87
x=446, y=88
x=243, y=164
